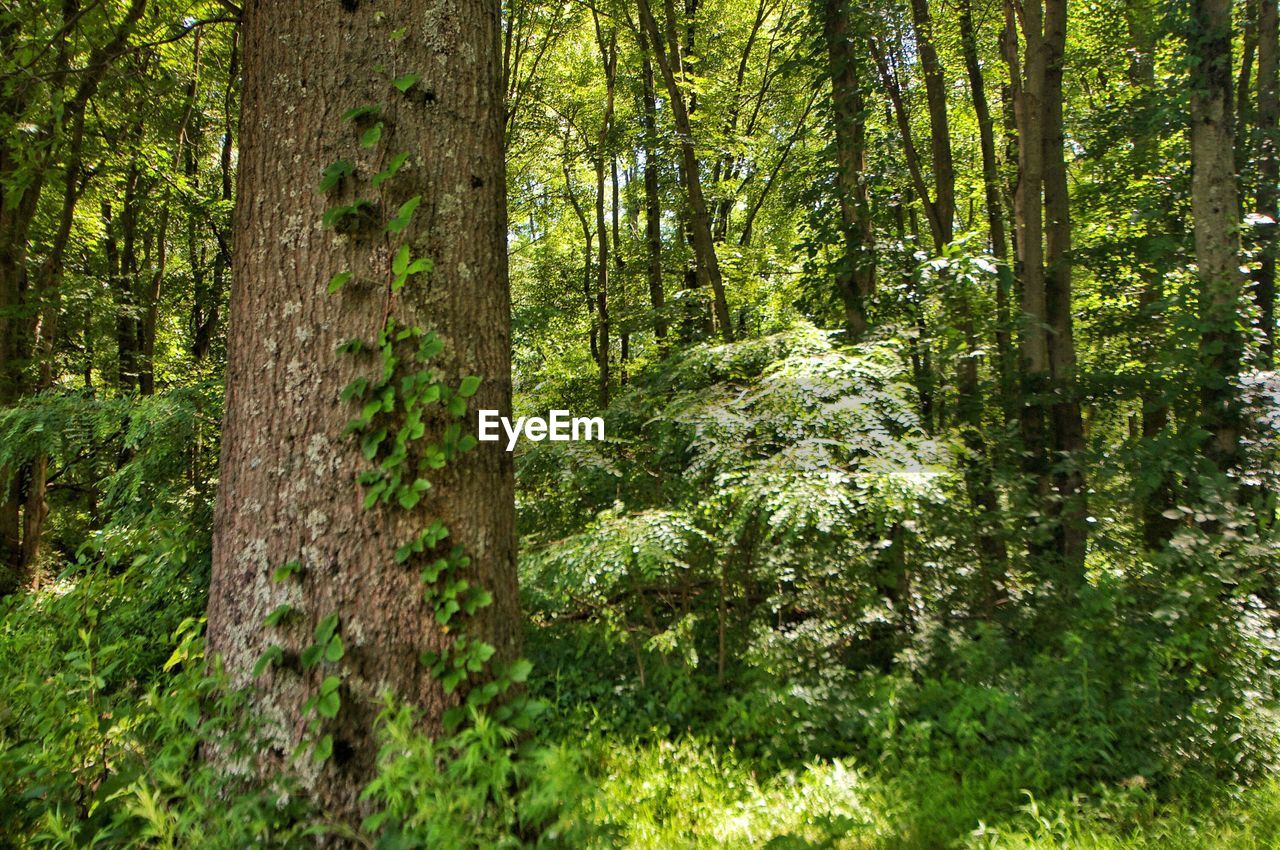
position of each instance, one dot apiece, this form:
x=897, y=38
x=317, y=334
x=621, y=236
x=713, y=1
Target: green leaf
x=273, y=655
x=311, y=656
x=324, y=749
x=335, y=650
x=328, y=701
x=285, y=571
x=337, y=281
x=409, y=497
x=278, y=616
x=370, y=137
x=401, y=260
x=333, y=175
x=404, y=83
x=326, y=627
x=360, y=112
x=404, y=215
x=468, y=387
x=390, y=171
x=520, y=670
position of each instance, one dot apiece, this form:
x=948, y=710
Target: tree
x=423, y=78
x=1216, y=213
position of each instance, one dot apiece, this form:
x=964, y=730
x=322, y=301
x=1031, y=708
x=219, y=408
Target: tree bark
x=1216, y=214
x=288, y=475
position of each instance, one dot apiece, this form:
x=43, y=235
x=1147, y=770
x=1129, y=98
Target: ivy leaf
x=400, y=262
x=337, y=281
x=469, y=385
x=404, y=215
x=311, y=656
x=390, y=171
x=431, y=573
x=273, y=655
x=285, y=571
x=333, y=175
x=278, y=616
x=370, y=137
x=404, y=83
x=335, y=650
x=328, y=702
x=360, y=112
x=324, y=749
x=326, y=627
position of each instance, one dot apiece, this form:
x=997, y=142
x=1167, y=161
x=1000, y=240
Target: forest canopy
x=933, y=343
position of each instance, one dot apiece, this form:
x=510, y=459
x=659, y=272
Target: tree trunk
x=652, y=201
x=609, y=57
x=1071, y=527
x=1216, y=215
x=288, y=474
x=704, y=249
x=855, y=272
x=996, y=232
x=1266, y=206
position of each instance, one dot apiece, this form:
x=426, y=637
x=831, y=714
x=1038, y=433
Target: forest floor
x=673, y=796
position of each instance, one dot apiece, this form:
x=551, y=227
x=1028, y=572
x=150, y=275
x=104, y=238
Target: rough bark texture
x=1216, y=213
x=288, y=487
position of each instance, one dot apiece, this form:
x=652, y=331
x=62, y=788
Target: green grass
x=687, y=795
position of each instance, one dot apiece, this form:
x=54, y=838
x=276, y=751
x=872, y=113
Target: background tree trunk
x=1216, y=213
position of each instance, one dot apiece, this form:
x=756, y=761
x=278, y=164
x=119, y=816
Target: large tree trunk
x=1216, y=213
x=288, y=474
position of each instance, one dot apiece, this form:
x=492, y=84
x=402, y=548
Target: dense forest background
x=934, y=341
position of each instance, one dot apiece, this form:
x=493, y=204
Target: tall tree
x=1216, y=214
x=288, y=475
x=855, y=272
x=671, y=66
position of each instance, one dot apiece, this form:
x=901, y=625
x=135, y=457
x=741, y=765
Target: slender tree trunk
x=1070, y=505
x=609, y=57
x=1216, y=214
x=1264, y=281
x=704, y=249
x=996, y=231
x=652, y=200
x=1033, y=344
x=288, y=489
x=855, y=272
